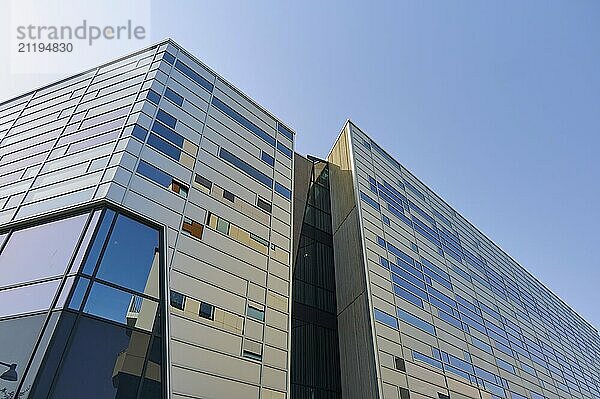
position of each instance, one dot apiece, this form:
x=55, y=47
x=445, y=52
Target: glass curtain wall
x=315, y=365
x=80, y=309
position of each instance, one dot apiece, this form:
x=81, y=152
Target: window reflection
x=40, y=251
x=130, y=256
x=27, y=299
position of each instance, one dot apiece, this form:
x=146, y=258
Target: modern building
x=160, y=238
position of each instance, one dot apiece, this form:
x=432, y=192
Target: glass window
x=29, y=298
x=400, y=365
x=139, y=132
x=40, y=251
x=173, y=96
x=168, y=57
x=256, y=313
x=385, y=318
x=264, y=205
x=415, y=321
x=131, y=257
x=177, y=300
x=285, y=131
x=283, y=191
x=120, y=306
x=166, y=118
x=233, y=114
x=153, y=96
x=223, y=226
x=284, y=150
x=154, y=174
x=245, y=167
x=203, y=181
x=166, y=148
x=252, y=355
x=167, y=133
x=269, y=160
x=195, y=76
x=228, y=196
x=79, y=293
x=98, y=244
x=369, y=200
x=207, y=311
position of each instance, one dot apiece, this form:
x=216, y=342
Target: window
x=166, y=118
x=385, y=318
x=415, y=321
x=30, y=298
x=41, y=251
x=404, y=393
x=252, y=355
x=154, y=174
x=400, y=365
x=228, y=196
x=255, y=313
x=245, y=167
x=385, y=219
x=207, y=311
x=414, y=247
x=283, y=191
x=223, y=226
x=168, y=57
x=167, y=133
x=443, y=396
x=179, y=188
x=284, y=150
x=264, y=205
x=131, y=252
x=233, y=114
x=369, y=200
x=285, y=131
x=173, y=96
x=203, y=181
x=192, y=227
x=153, y=96
x=269, y=160
x=163, y=146
x=195, y=76
x=177, y=300
x=139, y=132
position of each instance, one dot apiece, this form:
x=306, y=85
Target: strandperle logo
x=85, y=32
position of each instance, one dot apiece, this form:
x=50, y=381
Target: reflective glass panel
x=120, y=306
x=30, y=298
x=40, y=251
x=131, y=257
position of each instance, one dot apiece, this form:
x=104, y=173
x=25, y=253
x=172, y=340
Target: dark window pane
x=173, y=96
x=166, y=118
x=195, y=76
x=207, y=310
x=115, y=353
x=256, y=313
x=40, y=251
x=153, y=96
x=131, y=257
x=92, y=258
x=30, y=298
x=245, y=167
x=284, y=150
x=163, y=146
x=285, y=131
x=233, y=114
x=154, y=174
x=267, y=158
x=228, y=196
x=177, y=300
x=400, y=365
x=120, y=306
x=139, y=132
x=283, y=191
x=203, y=181
x=78, y=293
x=264, y=205
x=167, y=133
x=168, y=57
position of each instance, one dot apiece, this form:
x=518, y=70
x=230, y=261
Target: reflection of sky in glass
x=108, y=303
x=27, y=299
x=129, y=254
x=40, y=251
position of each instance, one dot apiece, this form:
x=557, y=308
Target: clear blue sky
x=494, y=105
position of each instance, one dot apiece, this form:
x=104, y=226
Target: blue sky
x=493, y=105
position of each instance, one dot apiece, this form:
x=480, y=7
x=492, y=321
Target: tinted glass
x=92, y=258
x=40, y=251
x=130, y=255
x=30, y=298
x=120, y=306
